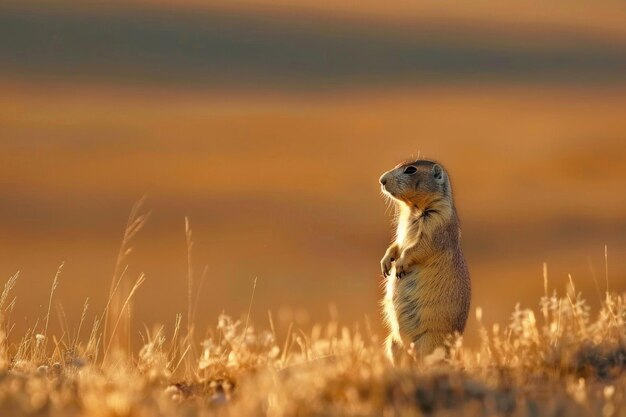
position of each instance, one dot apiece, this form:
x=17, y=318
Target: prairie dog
x=427, y=288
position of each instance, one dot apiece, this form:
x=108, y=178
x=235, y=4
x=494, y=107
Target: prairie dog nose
x=383, y=180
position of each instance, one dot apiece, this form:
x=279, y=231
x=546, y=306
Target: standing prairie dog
x=428, y=287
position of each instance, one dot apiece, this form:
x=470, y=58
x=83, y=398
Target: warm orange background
x=268, y=126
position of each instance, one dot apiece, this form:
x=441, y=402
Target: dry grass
x=556, y=360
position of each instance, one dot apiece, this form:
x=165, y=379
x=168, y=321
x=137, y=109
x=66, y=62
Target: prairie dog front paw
x=403, y=267
x=387, y=261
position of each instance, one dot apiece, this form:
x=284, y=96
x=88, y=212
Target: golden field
x=560, y=358
x=266, y=125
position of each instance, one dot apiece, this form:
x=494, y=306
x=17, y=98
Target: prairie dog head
x=417, y=184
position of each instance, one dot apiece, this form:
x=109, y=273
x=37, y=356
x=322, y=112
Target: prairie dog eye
x=410, y=170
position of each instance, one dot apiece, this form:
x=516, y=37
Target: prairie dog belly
x=403, y=305
x=423, y=301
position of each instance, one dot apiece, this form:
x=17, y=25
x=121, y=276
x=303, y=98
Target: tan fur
x=428, y=290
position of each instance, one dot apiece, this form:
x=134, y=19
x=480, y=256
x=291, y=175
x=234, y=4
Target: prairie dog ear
x=438, y=174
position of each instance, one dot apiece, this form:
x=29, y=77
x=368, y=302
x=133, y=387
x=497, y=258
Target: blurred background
x=268, y=123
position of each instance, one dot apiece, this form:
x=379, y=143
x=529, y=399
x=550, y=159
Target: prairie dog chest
x=407, y=229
